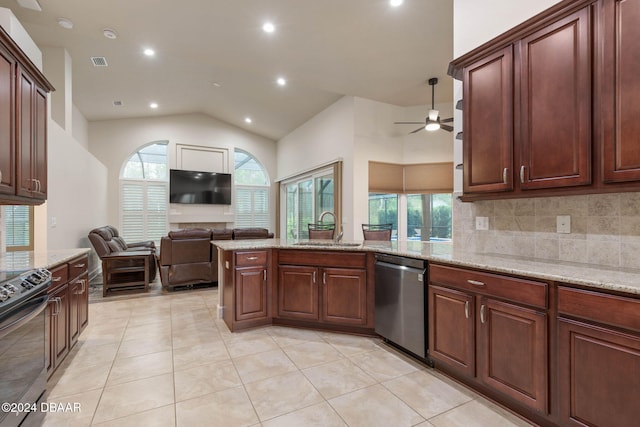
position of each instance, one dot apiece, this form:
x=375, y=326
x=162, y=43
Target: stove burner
x=22, y=287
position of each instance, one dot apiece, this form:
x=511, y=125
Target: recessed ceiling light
x=396, y=3
x=281, y=81
x=149, y=52
x=109, y=33
x=216, y=84
x=268, y=27
x=153, y=105
x=248, y=120
x=65, y=23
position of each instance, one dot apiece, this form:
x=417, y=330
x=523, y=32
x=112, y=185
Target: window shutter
x=156, y=210
x=132, y=208
x=252, y=206
x=18, y=226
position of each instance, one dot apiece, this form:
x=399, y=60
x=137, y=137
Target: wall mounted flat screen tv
x=193, y=187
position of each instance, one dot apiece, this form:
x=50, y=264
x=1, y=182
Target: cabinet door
x=512, y=352
x=83, y=303
x=555, y=105
x=40, y=145
x=7, y=123
x=620, y=91
x=25, y=182
x=451, y=329
x=488, y=124
x=298, y=292
x=61, y=323
x=344, y=296
x=251, y=293
x=598, y=371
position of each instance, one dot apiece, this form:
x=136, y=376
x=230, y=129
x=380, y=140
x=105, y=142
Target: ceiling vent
x=118, y=103
x=99, y=61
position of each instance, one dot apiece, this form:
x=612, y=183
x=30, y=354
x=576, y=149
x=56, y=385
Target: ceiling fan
x=432, y=121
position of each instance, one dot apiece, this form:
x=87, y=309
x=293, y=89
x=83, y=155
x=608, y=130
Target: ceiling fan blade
x=449, y=120
x=447, y=128
x=407, y=123
x=417, y=130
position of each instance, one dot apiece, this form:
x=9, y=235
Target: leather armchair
x=188, y=258
x=109, y=245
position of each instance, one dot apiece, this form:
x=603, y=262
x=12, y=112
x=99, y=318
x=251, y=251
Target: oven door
x=22, y=354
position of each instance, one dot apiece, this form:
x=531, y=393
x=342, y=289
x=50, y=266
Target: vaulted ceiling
x=213, y=57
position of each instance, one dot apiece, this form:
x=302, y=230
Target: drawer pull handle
x=466, y=309
x=79, y=265
x=475, y=282
x=56, y=279
x=482, y=319
x=252, y=258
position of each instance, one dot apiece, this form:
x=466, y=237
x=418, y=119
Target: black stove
x=23, y=287
x=23, y=337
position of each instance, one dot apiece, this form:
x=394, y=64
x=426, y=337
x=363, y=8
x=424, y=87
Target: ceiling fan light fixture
x=432, y=125
x=433, y=115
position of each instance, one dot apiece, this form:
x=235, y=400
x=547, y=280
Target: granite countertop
x=20, y=261
x=600, y=277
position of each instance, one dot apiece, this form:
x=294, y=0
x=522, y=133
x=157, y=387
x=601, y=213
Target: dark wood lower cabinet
x=512, y=348
x=452, y=329
x=251, y=293
x=344, y=296
x=298, y=292
x=599, y=370
x=58, y=330
x=483, y=331
x=68, y=309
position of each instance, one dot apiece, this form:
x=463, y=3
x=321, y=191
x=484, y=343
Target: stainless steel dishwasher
x=400, y=308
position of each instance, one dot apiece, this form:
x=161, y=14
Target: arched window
x=251, y=191
x=144, y=188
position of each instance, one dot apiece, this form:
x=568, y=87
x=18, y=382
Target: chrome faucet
x=322, y=215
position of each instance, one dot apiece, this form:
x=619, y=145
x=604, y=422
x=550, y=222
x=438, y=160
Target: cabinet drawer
x=251, y=258
x=521, y=291
x=323, y=258
x=78, y=266
x=59, y=275
x=596, y=306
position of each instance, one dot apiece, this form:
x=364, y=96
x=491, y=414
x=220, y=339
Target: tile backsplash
x=605, y=228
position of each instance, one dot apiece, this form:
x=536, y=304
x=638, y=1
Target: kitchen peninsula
x=531, y=334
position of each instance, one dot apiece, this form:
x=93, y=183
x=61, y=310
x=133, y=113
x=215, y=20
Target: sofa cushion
x=190, y=233
x=251, y=233
x=222, y=234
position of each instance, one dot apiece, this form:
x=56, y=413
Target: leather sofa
x=187, y=257
x=107, y=241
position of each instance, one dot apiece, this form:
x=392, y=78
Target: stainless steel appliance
x=23, y=377
x=400, y=305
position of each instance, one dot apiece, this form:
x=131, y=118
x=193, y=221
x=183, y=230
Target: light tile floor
x=166, y=360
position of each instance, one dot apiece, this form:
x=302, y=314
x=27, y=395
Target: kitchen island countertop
x=623, y=280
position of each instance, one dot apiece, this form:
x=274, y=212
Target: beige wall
x=113, y=142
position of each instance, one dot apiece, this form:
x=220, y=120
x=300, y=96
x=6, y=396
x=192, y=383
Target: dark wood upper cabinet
x=7, y=123
x=488, y=123
x=619, y=111
x=23, y=126
x=575, y=109
x=555, y=104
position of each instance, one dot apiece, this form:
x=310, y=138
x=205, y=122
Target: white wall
x=359, y=130
x=80, y=128
x=76, y=200
x=113, y=142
